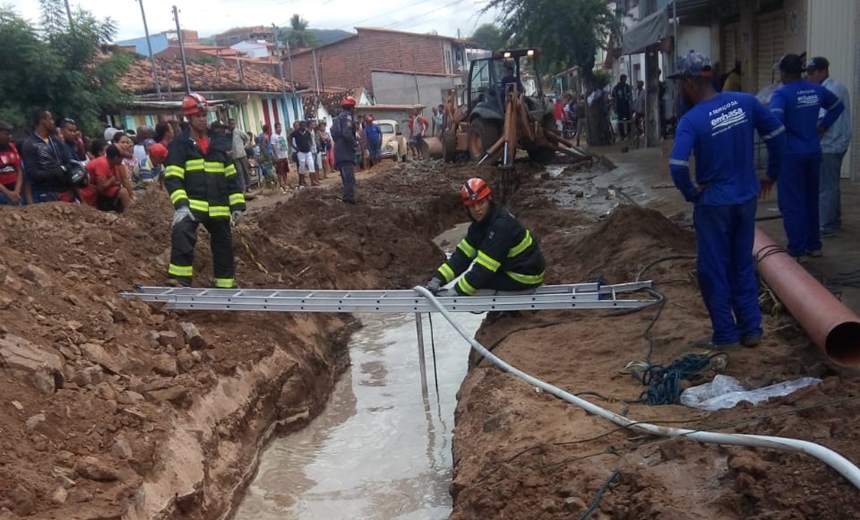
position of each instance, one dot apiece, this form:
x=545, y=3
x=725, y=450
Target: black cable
x=663, y=259
x=433, y=350
x=767, y=251
x=599, y=495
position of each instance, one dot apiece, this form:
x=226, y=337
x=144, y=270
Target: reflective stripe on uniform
x=526, y=279
x=174, y=171
x=199, y=205
x=467, y=248
x=466, y=287
x=487, y=261
x=219, y=211
x=524, y=244
x=178, y=195
x=448, y=273
x=184, y=271
x=679, y=162
x=230, y=170
x=773, y=134
x=236, y=198
x=213, y=167
x=225, y=283
x=195, y=164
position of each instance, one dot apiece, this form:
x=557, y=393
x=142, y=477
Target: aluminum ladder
x=591, y=295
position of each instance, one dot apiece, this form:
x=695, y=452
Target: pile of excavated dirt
x=519, y=453
x=115, y=408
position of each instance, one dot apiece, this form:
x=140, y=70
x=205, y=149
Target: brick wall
x=349, y=63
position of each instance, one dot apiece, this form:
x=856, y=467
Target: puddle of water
x=380, y=450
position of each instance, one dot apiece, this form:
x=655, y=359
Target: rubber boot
x=302, y=182
x=315, y=179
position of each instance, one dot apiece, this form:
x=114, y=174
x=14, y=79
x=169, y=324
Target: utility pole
x=316, y=80
x=149, y=49
x=292, y=83
x=281, y=71
x=69, y=14
x=182, y=51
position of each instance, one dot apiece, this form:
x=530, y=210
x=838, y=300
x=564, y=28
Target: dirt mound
x=94, y=386
x=617, y=248
x=519, y=453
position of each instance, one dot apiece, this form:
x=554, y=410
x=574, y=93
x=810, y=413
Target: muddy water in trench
x=380, y=450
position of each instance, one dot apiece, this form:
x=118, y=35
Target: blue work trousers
x=797, y=190
x=829, y=196
x=724, y=236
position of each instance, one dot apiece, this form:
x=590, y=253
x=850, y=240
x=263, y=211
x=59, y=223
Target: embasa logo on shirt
x=726, y=116
x=807, y=98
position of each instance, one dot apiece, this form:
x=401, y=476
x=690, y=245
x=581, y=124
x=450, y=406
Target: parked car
x=393, y=142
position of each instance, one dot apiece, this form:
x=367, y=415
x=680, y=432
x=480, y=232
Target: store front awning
x=650, y=30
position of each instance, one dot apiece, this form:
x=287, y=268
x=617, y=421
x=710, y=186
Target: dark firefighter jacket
x=343, y=134
x=499, y=245
x=205, y=183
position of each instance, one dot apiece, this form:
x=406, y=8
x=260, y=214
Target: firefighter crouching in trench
x=204, y=189
x=506, y=256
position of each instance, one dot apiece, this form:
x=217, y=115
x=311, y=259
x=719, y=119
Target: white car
x=393, y=142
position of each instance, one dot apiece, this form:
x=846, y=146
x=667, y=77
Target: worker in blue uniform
x=797, y=105
x=718, y=129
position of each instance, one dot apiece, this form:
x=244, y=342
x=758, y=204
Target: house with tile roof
x=235, y=91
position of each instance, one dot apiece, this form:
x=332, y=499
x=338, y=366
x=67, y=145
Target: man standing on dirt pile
x=343, y=134
x=507, y=257
x=719, y=130
x=204, y=188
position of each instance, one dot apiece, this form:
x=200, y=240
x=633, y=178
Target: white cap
x=109, y=133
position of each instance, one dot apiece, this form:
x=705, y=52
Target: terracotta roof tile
x=204, y=78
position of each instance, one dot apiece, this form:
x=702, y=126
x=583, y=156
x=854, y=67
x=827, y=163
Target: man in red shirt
x=106, y=190
x=11, y=177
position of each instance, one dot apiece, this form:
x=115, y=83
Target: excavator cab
x=487, y=88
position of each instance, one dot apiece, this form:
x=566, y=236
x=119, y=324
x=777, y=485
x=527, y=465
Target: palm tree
x=298, y=36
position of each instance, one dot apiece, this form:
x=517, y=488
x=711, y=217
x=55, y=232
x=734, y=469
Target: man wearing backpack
x=343, y=134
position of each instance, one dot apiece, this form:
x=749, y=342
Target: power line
x=350, y=25
x=422, y=15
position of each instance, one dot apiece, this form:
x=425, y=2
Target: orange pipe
x=834, y=328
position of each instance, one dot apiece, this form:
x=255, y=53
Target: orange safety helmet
x=473, y=190
x=348, y=101
x=194, y=104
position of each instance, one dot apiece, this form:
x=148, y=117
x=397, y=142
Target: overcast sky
x=209, y=17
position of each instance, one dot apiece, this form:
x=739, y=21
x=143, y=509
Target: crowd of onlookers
x=56, y=162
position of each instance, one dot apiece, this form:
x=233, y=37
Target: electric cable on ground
x=839, y=463
x=598, y=496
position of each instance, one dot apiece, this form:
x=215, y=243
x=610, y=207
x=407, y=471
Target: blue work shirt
x=373, y=133
x=720, y=133
x=838, y=136
x=797, y=104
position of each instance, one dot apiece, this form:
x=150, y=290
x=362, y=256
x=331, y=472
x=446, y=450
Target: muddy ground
x=112, y=408
x=523, y=454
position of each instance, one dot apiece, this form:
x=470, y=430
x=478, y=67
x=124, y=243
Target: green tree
x=298, y=36
x=570, y=32
x=489, y=37
x=58, y=67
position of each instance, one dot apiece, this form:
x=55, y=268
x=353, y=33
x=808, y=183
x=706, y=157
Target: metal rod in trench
x=422, y=366
x=433, y=353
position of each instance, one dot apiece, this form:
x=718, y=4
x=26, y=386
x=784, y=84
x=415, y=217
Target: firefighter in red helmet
x=204, y=189
x=343, y=134
x=506, y=255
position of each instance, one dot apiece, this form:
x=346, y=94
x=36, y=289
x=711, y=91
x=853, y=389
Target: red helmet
x=348, y=101
x=194, y=104
x=473, y=190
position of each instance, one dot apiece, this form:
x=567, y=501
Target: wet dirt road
x=381, y=450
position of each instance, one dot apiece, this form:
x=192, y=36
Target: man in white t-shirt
x=282, y=157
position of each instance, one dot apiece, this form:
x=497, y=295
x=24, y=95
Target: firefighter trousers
x=182, y=251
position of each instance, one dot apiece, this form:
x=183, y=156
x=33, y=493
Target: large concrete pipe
x=834, y=328
x=433, y=147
